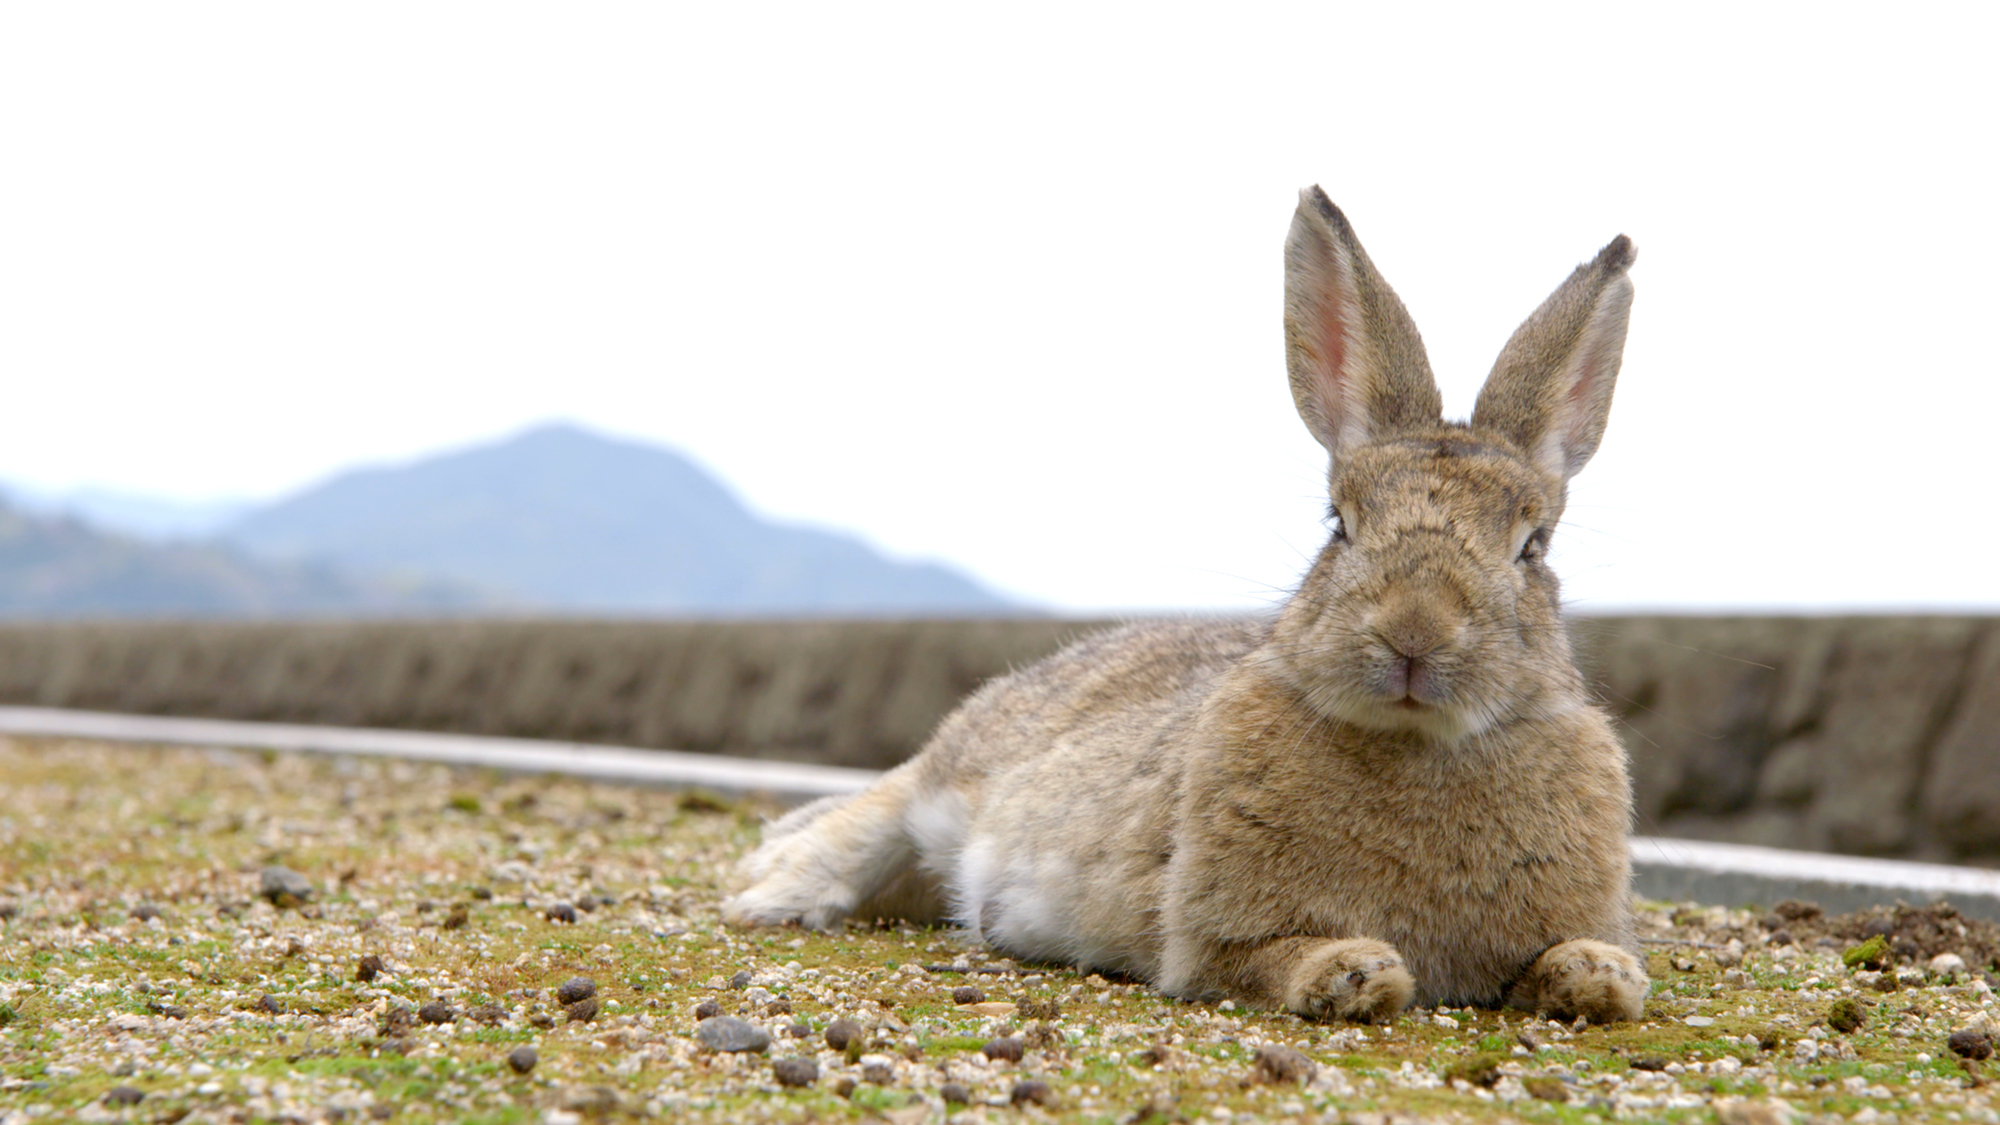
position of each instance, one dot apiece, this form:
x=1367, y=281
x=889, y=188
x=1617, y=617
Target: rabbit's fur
x=1396, y=789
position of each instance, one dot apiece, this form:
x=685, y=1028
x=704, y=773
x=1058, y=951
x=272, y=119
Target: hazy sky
x=999, y=284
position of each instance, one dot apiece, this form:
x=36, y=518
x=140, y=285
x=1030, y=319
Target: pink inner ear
x=1580, y=405
x=1332, y=335
x=1330, y=339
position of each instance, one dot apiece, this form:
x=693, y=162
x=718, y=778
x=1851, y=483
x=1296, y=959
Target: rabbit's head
x=1431, y=610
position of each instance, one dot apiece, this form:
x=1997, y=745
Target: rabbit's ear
x=1550, y=390
x=1358, y=367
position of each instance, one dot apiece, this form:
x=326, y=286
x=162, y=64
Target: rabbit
x=1394, y=790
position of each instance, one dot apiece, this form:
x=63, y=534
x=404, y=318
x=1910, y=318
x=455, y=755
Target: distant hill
x=564, y=519
x=131, y=514
x=53, y=566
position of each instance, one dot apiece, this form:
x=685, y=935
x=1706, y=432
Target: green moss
x=1872, y=953
x=1480, y=1070
x=1846, y=1015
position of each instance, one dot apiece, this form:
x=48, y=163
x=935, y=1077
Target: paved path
x=1675, y=870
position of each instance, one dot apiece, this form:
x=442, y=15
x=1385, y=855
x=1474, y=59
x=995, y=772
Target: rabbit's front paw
x=1592, y=979
x=1350, y=979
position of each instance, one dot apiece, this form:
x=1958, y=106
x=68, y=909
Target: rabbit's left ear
x=1550, y=390
x=1357, y=365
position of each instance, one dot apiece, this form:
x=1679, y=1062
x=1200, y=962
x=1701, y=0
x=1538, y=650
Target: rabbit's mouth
x=1413, y=682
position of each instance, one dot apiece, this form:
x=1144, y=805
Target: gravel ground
x=217, y=936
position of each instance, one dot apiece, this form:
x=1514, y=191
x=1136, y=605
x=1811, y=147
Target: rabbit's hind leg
x=822, y=863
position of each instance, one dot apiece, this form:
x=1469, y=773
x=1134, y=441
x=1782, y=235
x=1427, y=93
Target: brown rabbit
x=1395, y=789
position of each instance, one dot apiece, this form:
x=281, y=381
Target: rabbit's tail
x=847, y=856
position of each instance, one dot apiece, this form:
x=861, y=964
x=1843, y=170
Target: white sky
x=1000, y=285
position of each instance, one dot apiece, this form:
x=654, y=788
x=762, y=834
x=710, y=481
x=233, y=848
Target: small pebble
x=741, y=979
x=1545, y=1088
x=955, y=1093
x=727, y=1033
x=842, y=1032
x=457, y=918
x=1033, y=1009
x=270, y=1004
x=1947, y=963
x=707, y=1008
x=125, y=1095
x=1281, y=1066
x=1649, y=1062
x=800, y=1031
x=592, y=1101
x=284, y=886
x=795, y=1072
x=574, y=989
x=1032, y=1092
x=844, y=1086
x=1008, y=1049
x=522, y=1059
x=583, y=1011
x=368, y=968
x=144, y=912
x=1970, y=1044
x=437, y=1011
x=878, y=1069
x=778, y=1007
x=561, y=912
x=966, y=994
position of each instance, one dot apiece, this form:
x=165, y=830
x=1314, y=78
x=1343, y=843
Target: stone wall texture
x=1868, y=735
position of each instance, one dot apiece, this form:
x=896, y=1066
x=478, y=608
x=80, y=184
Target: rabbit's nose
x=1415, y=635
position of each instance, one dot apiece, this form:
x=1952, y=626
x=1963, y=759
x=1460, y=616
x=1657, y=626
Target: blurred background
x=634, y=312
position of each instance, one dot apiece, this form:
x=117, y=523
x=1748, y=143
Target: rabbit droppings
x=1395, y=789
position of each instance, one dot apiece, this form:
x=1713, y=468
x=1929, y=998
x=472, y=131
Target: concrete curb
x=1738, y=874
x=790, y=780
x=1669, y=869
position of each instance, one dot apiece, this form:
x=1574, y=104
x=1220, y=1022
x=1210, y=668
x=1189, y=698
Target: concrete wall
x=1868, y=735
x=1872, y=735
x=862, y=693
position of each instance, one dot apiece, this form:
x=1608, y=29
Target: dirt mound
x=1914, y=934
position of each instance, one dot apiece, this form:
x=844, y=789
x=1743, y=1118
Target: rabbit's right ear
x=1358, y=367
x=1550, y=390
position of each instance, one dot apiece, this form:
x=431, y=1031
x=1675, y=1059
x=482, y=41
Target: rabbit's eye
x=1536, y=546
x=1339, y=523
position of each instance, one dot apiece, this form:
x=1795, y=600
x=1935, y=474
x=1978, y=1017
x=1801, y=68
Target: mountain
x=62, y=567
x=135, y=515
x=564, y=519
